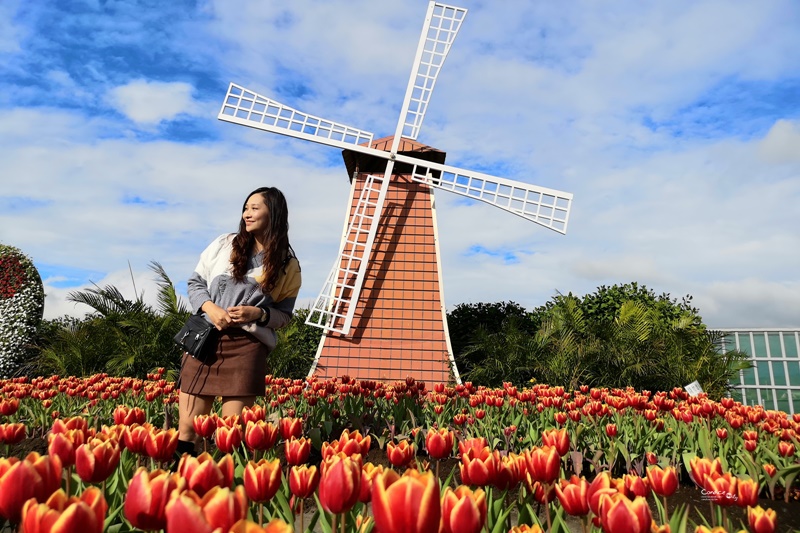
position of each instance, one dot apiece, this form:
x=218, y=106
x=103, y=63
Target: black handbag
x=197, y=337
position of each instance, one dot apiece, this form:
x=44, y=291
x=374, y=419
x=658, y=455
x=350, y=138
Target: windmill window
x=259, y=107
x=558, y=214
x=441, y=47
x=249, y=95
x=562, y=203
x=447, y=24
x=558, y=225
x=283, y=124
x=241, y=113
x=504, y=191
x=437, y=59
x=517, y=205
x=534, y=197
x=286, y=113
x=475, y=192
x=350, y=139
x=337, y=136
x=311, y=130
x=490, y=187
x=518, y=193
x=236, y=90
x=295, y=126
x=232, y=101
x=427, y=57
x=273, y=110
x=429, y=45
x=548, y=200
x=228, y=111
x=546, y=212
x=257, y=117
x=246, y=104
x=432, y=33
x=433, y=71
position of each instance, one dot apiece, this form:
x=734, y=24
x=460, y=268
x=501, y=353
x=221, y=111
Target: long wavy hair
x=275, y=235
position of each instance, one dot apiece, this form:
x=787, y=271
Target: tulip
x=652, y=459
x=636, y=486
x=574, y=496
x=544, y=493
x=135, y=438
x=203, y=474
x=611, y=430
x=722, y=433
x=760, y=520
x=721, y=488
x=663, y=481
x=205, y=425
x=785, y=449
x=262, y=479
x=161, y=444
x=254, y=413
x=290, y=427
x=401, y=454
x=340, y=483
x=48, y=467
x=478, y=467
x=463, y=510
x=260, y=435
x=125, y=416
x=477, y=444
x=439, y=443
x=368, y=474
x=297, y=450
x=64, y=444
x=507, y=473
x=276, y=525
x=12, y=433
x=618, y=514
x=303, y=480
x=76, y=422
x=96, y=460
x=770, y=469
x=747, y=493
x=62, y=514
x=18, y=483
x=558, y=438
x=750, y=445
x=407, y=504
x=147, y=497
x=749, y=435
x=219, y=508
x=9, y=406
x=352, y=443
x=543, y=464
x=525, y=528
x=602, y=485
x=228, y=438
x=702, y=468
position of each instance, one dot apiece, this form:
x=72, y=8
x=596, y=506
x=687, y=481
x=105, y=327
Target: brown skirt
x=237, y=368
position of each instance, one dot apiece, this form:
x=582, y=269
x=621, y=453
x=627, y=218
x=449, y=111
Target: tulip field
x=98, y=454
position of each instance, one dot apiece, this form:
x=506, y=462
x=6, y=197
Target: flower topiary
x=21, y=307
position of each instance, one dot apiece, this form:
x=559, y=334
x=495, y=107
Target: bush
x=21, y=308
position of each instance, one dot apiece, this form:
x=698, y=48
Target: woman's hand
x=219, y=316
x=243, y=314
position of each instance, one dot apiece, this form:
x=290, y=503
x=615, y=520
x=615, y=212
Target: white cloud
x=150, y=102
x=782, y=143
x=548, y=93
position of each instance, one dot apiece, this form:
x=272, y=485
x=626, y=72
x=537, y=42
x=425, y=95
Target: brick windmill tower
x=382, y=305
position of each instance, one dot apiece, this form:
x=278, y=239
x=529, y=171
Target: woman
x=246, y=285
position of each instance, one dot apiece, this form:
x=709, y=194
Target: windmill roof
x=367, y=163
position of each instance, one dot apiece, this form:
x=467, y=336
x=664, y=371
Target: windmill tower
x=382, y=305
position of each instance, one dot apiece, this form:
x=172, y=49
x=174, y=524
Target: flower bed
x=450, y=458
x=21, y=306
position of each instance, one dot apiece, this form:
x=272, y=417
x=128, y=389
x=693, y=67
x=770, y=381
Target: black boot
x=184, y=446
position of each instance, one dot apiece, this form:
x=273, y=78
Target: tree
x=121, y=336
x=466, y=321
x=297, y=346
x=619, y=336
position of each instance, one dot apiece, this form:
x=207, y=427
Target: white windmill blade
x=547, y=207
x=442, y=23
x=335, y=307
x=249, y=108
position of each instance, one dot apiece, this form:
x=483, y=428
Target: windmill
x=382, y=305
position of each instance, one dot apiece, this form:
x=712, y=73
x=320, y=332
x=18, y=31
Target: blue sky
x=676, y=124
